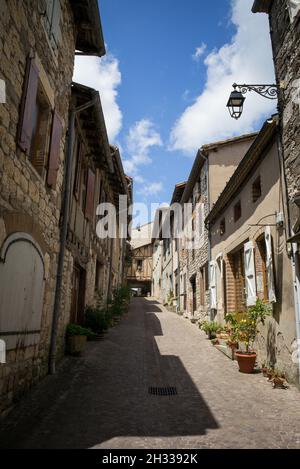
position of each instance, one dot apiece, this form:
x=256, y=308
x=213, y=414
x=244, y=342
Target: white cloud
x=104, y=75
x=139, y=179
x=153, y=188
x=246, y=59
x=199, y=52
x=141, y=138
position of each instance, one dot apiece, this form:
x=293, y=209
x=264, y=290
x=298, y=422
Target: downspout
x=63, y=232
x=110, y=270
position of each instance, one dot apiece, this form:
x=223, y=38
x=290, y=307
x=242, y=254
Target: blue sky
x=166, y=78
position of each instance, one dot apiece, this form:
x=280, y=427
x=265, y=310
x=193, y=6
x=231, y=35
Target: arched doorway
x=21, y=291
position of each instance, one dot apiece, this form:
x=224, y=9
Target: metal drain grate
x=168, y=391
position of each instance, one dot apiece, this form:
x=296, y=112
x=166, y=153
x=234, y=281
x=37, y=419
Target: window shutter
x=250, y=274
x=79, y=155
x=269, y=265
x=213, y=285
x=55, y=24
x=27, y=106
x=89, y=204
x=54, y=153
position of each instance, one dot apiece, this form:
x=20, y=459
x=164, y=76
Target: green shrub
x=94, y=319
x=75, y=329
x=210, y=327
x=243, y=325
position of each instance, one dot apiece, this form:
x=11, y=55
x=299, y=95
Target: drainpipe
x=64, y=231
x=110, y=270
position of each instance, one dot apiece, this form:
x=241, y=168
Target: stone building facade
x=248, y=250
x=94, y=265
x=37, y=44
x=284, y=19
x=139, y=266
x=213, y=166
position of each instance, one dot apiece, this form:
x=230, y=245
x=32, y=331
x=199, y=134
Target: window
x=40, y=131
x=294, y=8
x=256, y=189
x=139, y=264
x=206, y=279
x=90, y=195
x=237, y=211
x=52, y=15
x=83, y=188
x=261, y=269
x=39, y=128
x=202, y=286
x=78, y=159
x=238, y=264
x=222, y=227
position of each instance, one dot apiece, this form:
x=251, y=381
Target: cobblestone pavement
x=101, y=399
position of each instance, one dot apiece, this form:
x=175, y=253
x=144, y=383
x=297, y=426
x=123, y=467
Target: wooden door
x=78, y=294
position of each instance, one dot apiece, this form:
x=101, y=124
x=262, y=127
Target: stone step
x=226, y=350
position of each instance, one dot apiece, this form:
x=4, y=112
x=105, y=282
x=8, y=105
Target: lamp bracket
x=266, y=91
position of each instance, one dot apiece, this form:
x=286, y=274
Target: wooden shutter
x=28, y=104
x=54, y=153
x=213, y=285
x=79, y=157
x=269, y=266
x=89, y=203
x=55, y=24
x=250, y=274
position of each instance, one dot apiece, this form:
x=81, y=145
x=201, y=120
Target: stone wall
x=26, y=203
x=286, y=49
x=198, y=257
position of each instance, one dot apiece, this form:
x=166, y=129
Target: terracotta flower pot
x=76, y=344
x=246, y=361
x=278, y=382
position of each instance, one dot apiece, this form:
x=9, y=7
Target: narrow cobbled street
x=102, y=399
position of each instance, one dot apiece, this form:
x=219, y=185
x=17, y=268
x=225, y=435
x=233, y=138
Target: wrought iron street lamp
x=236, y=100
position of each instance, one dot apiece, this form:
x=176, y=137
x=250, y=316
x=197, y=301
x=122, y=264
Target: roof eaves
x=262, y=6
x=89, y=38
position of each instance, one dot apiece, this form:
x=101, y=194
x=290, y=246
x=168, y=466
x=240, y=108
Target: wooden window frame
x=222, y=226
x=256, y=189
x=237, y=211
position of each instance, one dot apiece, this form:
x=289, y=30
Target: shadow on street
x=104, y=394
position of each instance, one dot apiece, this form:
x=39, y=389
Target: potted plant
x=210, y=328
x=76, y=338
x=94, y=319
x=278, y=379
x=244, y=328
